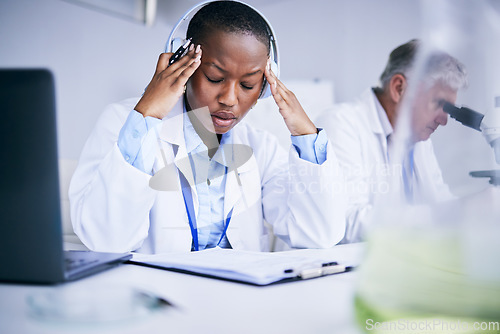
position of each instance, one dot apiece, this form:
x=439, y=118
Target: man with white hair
x=361, y=133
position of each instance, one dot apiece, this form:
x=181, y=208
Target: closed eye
x=213, y=80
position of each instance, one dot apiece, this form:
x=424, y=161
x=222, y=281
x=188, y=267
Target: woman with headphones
x=176, y=170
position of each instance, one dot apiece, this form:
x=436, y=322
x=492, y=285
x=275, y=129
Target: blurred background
x=104, y=51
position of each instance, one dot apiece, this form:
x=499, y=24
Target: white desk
x=204, y=305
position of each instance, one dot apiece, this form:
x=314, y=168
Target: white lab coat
x=356, y=134
x=114, y=209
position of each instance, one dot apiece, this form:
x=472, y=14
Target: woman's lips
x=223, y=119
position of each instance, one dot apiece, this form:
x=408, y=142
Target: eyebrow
x=224, y=71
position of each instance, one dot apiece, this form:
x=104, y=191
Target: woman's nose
x=229, y=95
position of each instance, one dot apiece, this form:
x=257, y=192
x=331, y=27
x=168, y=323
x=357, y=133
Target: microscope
x=489, y=125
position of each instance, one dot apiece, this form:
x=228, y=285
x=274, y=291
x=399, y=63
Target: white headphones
x=178, y=37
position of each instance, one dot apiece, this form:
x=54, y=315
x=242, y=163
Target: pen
x=179, y=53
x=154, y=301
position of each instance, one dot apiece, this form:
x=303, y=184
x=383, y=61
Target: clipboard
x=255, y=268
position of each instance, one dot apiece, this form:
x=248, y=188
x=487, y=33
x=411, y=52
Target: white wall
x=349, y=40
x=98, y=59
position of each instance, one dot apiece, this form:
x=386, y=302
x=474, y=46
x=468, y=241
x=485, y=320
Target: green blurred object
x=427, y=278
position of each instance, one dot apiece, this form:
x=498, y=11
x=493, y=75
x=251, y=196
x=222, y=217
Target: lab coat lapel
x=182, y=162
x=370, y=99
x=172, y=132
x=233, y=192
x=425, y=185
x=373, y=118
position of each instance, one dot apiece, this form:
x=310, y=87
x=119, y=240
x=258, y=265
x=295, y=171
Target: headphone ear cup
x=266, y=89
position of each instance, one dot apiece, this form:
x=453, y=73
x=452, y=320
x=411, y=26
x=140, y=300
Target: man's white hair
x=439, y=66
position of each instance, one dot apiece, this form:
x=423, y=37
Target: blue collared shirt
x=210, y=174
x=210, y=179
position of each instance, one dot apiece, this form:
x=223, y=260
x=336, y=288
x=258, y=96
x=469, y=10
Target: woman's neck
x=209, y=138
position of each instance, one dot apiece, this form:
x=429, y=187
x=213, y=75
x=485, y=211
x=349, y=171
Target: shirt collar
x=225, y=153
x=382, y=116
x=195, y=144
x=191, y=137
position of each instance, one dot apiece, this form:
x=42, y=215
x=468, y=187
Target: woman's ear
x=397, y=87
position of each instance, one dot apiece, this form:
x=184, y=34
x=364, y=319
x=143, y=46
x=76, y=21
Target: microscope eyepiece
x=464, y=115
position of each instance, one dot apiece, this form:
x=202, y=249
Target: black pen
x=179, y=53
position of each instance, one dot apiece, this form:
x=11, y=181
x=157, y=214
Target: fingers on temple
x=277, y=95
x=188, y=71
x=190, y=65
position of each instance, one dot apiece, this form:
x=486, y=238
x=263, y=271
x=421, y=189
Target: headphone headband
x=175, y=42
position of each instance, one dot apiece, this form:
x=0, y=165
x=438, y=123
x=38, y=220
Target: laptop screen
x=31, y=236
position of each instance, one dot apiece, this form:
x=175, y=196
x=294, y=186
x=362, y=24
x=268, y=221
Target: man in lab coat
x=362, y=131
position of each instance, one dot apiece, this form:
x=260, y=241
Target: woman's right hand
x=167, y=84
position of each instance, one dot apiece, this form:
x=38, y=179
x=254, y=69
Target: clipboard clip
x=322, y=271
x=325, y=269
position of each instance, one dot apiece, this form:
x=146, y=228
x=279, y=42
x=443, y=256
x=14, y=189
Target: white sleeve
x=345, y=142
x=105, y=188
x=301, y=200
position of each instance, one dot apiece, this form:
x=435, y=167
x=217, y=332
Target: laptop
x=31, y=243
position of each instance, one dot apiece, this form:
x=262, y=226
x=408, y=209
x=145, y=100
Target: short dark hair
x=230, y=17
x=400, y=61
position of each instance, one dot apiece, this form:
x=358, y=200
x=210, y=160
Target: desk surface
x=204, y=305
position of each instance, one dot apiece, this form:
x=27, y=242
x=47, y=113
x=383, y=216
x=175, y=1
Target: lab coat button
x=322, y=147
x=135, y=134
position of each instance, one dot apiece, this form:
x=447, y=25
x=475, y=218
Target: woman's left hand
x=296, y=119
